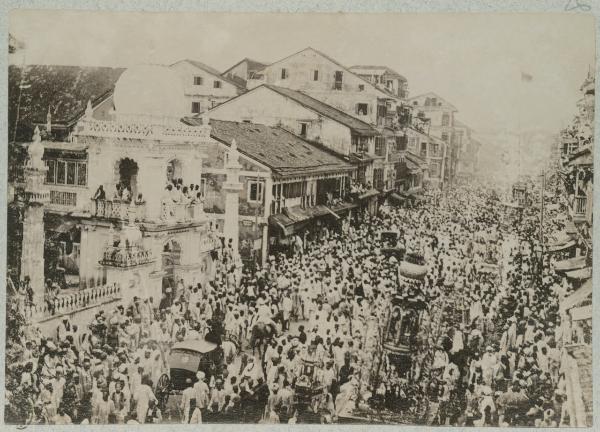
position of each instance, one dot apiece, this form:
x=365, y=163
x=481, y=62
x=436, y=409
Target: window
x=390, y=83
x=66, y=172
x=51, y=173
x=401, y=142
x=360, y=144
x=61, y=168
x=292, y=190
x=81, y=173
x=217, y=84
x=445, y=137
x=434, y=149
x=362, y=109
x=316, y=75
x=198, y=80
x=445, y=119
x=423, y=149
x=380, y=146
x=361, y=87
x=195, y=107
x=338, y=79
x=303, y=129
x=255, y=191
x=378, y=178
x=284, y=73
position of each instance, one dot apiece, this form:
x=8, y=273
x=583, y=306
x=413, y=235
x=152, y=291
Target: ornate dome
x=149, y=91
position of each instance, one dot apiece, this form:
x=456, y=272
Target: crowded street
x=381, y=230
x=486, y=352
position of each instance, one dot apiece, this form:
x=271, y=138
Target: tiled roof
x=65, y=90
x=356, y=125
x=285, y=153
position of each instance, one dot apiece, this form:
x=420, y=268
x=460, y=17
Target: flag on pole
x=525, y=77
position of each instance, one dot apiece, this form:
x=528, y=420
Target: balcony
x=118, y=210
x=579, y=210
x=70, y=303
x=181, y=212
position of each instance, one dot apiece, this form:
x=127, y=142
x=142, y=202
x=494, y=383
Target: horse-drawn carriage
x=186, y=359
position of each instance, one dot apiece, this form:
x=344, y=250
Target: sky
x=475, y=61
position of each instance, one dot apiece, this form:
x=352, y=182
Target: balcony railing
x=69, y=303
x=119, y=210
x=125, y=256
x=68, y=199
x=580, y=206
x=182, y=212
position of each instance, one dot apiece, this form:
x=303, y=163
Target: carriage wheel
x=163, y=388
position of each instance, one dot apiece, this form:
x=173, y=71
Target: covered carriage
x=186, y=359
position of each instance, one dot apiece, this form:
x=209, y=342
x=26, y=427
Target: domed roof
x=149, y=90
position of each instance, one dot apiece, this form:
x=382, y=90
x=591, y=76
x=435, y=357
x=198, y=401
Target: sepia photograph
x=299, y=218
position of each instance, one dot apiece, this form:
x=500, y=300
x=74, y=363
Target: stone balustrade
x=118, y=210
x=70, y=303
x=142, y=130
x=182, y=212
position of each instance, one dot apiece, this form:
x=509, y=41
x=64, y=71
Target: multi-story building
x=467, y=149
x=441, y=125
x=355, y=140
x=204, y=86
x=327, y=80
x=289, y=185
x=384, y=78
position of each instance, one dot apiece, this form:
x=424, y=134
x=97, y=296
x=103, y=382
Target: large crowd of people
x=485, y=349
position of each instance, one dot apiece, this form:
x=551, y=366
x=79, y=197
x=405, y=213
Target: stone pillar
x=36, y=195
x=232, y=188
x=151, y=183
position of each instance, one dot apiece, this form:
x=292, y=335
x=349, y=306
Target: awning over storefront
x=581, y=274
x=557, y=247
x=368, y=194
x=342, y=207
x=295, y=218
x=570, y=264
x=570, y=228
x=578, y=296
x=395, y=196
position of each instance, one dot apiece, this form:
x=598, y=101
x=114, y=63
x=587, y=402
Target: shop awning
x=368, y=194
x=581, y=313
x=570, y=264
x=578, y=296
x=581, y=274
x=397, y=197
x=570, y=227
x=292, y=219
x=554, y=247
x=511, y=205
x=342, y=207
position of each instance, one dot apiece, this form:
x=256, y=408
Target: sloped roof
x=432, y=94
x=334, y=61
x=460, y=124
x=371, y=68
x=65, y=90
x=356, y=125
x=282, y=151
x=253, y=65
x=211, y=70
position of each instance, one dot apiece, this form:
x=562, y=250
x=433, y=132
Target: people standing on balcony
x=100, y=193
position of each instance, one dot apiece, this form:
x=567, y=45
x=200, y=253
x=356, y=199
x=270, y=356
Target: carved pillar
x=232, y=188
x=35, y=196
